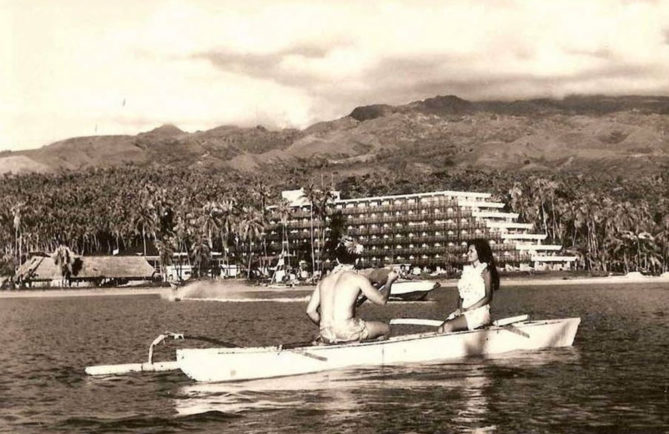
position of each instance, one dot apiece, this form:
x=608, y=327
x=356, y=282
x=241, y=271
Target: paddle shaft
x=436, y=323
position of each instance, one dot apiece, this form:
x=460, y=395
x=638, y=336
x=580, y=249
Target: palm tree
x=325, y=199
x=261, y=192
x=201, y=254
x=252, y=228
x=662, y=237
x=311, y=194
x=144, y=222
x=64, y=258
x=284, y=210
x=209, y=221
x=16, y=211
x=226, y=226
x=165, y=248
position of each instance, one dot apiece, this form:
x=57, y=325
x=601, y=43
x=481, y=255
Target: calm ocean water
x=614, y=379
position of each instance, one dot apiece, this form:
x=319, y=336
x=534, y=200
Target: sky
x=72, y=68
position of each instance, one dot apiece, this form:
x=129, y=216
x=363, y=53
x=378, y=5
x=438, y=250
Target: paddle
x=377, y=277
x=505, y=323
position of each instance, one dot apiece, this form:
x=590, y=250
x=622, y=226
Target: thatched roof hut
x=43, y=268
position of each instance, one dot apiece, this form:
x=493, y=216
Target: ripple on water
x=614, y=378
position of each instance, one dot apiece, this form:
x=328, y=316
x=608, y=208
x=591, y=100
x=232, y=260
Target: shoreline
x=445, y=283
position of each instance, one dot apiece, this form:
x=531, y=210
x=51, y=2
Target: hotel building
x=426, y=230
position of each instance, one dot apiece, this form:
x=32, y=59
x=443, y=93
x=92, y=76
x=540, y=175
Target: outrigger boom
x=149, y=366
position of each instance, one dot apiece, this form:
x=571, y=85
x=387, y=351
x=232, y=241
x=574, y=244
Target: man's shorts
x=351, y=330
x=478, y=317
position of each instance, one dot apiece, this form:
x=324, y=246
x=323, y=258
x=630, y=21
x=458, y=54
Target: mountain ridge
x=624, y=134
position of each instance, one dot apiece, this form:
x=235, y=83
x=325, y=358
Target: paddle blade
x=416, y=321
x=128, y=368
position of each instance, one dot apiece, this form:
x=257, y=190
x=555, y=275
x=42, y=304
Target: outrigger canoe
x=239, y=364
x=235, y=364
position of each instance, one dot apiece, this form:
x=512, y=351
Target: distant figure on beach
x=333, y=303
x=475, y=288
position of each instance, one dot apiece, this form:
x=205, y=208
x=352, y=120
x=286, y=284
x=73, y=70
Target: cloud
x=205, y=63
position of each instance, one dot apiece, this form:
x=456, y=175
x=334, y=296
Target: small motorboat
x=412, y=290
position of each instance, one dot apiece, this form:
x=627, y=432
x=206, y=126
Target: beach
x=240, y=286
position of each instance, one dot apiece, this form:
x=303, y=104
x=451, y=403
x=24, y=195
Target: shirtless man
x=336, y=296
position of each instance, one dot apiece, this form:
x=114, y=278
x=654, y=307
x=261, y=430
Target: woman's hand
x=456, y=313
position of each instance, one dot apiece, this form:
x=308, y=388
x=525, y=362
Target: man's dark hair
x=344, y=256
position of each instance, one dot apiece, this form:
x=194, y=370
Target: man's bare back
x=336, y=296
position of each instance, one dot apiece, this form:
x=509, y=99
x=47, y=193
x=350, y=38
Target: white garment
x=479, y=317
x=471, y=285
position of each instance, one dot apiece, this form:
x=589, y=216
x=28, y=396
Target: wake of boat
x=229, y=291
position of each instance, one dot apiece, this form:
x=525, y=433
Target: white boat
x=238, y=364
x=412, y=290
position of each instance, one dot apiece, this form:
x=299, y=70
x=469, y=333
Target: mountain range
x=621, y=134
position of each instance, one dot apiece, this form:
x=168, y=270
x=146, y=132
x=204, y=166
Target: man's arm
x=314, y=303
x=374, y=295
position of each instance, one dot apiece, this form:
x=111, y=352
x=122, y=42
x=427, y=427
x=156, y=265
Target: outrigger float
x=239, y=364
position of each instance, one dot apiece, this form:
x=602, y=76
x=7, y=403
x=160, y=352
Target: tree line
x=611, y=224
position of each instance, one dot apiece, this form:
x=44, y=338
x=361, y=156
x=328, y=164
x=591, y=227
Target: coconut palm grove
x=612, y=224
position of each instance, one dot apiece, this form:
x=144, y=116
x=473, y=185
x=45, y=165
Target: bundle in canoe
x=238, y=364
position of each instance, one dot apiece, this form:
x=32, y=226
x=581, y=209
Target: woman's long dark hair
x=484, y=253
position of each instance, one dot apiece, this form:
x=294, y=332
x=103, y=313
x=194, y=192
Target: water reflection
x=461, y=392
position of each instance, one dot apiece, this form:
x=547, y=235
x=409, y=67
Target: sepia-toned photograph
x=291, y=216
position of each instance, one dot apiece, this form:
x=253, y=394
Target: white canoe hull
x=237, y=364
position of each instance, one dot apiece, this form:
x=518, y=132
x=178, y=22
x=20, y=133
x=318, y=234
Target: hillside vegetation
x=626, y=135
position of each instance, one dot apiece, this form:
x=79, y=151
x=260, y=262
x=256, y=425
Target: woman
x=475, y=288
